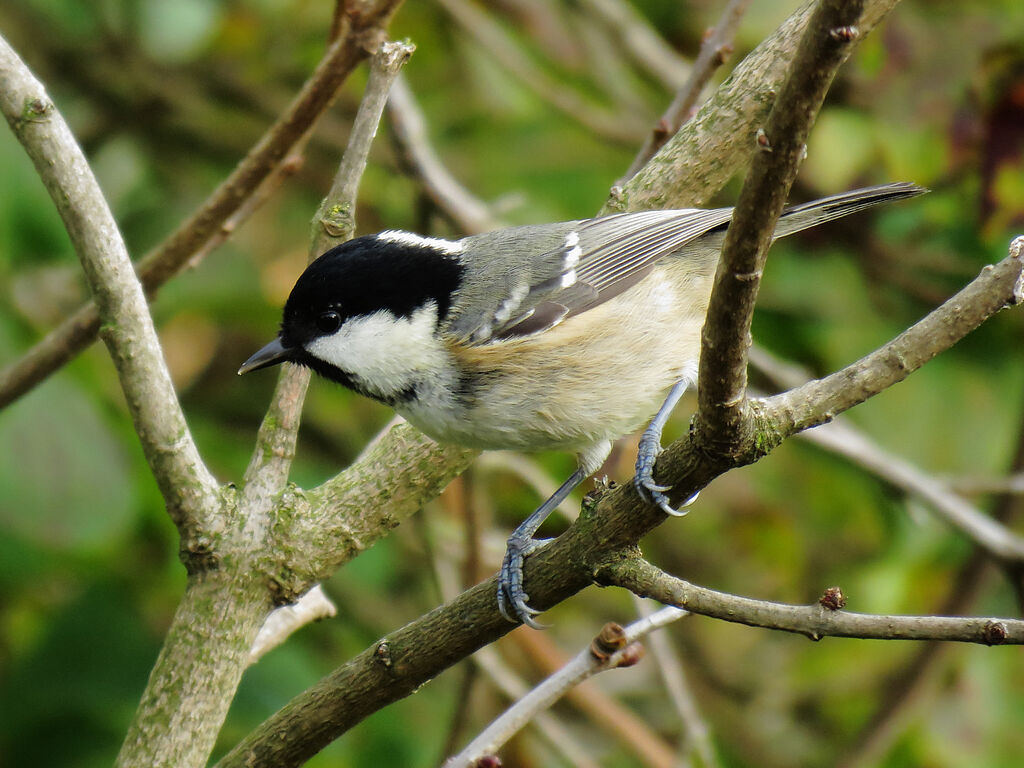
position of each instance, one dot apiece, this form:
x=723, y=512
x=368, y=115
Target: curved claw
x=512, y=598
x=649, y=490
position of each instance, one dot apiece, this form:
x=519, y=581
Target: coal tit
x=556, y=336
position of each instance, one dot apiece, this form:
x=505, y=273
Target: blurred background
x=537, y=108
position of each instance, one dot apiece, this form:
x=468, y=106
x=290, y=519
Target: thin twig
x=695, y=729
x=362, y=34
x=272, y=456
x=283, y=622
x=334, y=222
x=977, y=485
x=721, y=394
x=607, y=713
x=814, y=621
x=514, y=687
x=619, y=128
x=585, y=664
x=409, y=129
x=641, y=41
x=189, y=489
x=714, y=51
x=270, y=465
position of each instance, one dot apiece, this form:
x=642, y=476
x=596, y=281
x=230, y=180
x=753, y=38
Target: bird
x=559, y=336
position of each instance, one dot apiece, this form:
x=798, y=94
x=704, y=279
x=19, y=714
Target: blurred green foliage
x=167, y=96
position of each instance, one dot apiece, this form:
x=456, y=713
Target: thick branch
x=721, y=138
x=330, y=525
x=640, y=41
x=361, y=35
x=814, y=621
x=189, y=490
x=827, y=42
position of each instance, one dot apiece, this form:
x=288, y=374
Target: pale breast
x=596, y=376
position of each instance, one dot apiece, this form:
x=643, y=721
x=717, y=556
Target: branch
x=361, y=35
x=607, y=713
x=722, y=137
x=841, y=438
x=815, y=621
x=470, y=214
x=643, y=43
x=996, y=539
x=505, y=680
x=189, y=490
x=998, y=286
x=614, y=647
x=498, y=44
x=334, y=223
x=974, y=486
x=560, y=738
x=228, y=597
x=283, y=622
x=721, y=392
x=696, y=734
x=331, y=524
x=714, y=51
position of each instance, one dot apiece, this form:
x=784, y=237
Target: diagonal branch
x=189, y=490
x=841, y=438
x=360, y=35
x=721, y=138
x=816, y=402
x=409, y=128
x=714, y=51
x=640, y=40
x=502, y=48
x=614, y=647
x=722, y=403
x=815, y=621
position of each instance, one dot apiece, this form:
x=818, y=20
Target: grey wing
x=574, y=266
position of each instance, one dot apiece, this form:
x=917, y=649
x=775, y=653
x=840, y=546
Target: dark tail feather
x=800, y=217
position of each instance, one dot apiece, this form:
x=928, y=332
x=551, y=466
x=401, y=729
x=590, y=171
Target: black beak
x=273, y=353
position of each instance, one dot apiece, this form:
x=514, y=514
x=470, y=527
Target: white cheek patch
x=387, y=354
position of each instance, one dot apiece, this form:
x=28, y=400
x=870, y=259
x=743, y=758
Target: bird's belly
x=597, y=376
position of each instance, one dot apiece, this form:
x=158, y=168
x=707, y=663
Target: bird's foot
x=512, y=598
x=643, y=481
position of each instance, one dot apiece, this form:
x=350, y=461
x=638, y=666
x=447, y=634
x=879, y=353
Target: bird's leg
x=650, y=447
x=512, y=598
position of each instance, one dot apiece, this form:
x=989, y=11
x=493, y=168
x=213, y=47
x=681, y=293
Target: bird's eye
x=328, y=322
